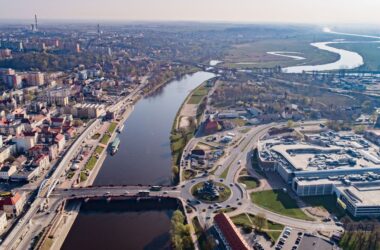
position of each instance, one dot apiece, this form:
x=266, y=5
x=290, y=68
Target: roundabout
x=211, y=192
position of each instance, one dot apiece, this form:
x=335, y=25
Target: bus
x=156, y=188
x=143, y=193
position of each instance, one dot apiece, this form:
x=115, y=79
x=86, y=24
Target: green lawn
x=105, y=139
x=189, y=174
x=91, y=163
x=279, y=202
x=243, y=221
x=328, y=202
x=83, y=176
x=249, y=182
x=197, y=96
x=112, y=127
x=99, y=149
x=225, y=173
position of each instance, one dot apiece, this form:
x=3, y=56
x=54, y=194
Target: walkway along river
x=144, y=157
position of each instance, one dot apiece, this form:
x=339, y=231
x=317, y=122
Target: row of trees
x=180, y=232
x=361, y=240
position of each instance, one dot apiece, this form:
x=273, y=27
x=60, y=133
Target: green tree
x=260, y=221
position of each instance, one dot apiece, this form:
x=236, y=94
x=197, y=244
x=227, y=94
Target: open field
x=254, y=55
x=279, y=202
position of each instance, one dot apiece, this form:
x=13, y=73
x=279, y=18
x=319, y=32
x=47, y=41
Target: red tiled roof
x=230, y=232
x=10, y=200
x=59, y=137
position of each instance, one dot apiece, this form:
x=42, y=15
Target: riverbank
x=185, y=124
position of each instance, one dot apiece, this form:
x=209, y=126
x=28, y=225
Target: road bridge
x=114, y=191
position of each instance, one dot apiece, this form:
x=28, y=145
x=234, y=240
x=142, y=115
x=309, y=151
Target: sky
x=289, y=11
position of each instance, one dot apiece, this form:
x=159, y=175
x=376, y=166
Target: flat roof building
x=345, y=164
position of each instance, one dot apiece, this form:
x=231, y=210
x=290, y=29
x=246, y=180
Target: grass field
x=243, y=220
x=105, y=139
x=249, y=182
x=99, y=149
x=112, y=127
x=254, y=54
x=279, y=202
x=198, y=95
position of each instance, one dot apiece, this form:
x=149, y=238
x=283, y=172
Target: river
x=347, y=59
x=144, y=157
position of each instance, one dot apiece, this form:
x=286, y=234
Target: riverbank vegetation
x=180, y=232
x=181, y=136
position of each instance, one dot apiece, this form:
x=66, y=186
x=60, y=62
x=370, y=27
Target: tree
x=290, y=124
x=260, y=221
x=180, y=233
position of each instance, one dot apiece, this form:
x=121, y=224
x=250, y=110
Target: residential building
x=3, y=221
x=229, y=234
x=7, y=171
x=25, y=141
x=7, y=151
x=13, y=205
x=35, y=78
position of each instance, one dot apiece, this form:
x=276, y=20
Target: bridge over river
x=114, y=191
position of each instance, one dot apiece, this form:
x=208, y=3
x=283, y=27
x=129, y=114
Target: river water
x=144, y=157
x=347, y=60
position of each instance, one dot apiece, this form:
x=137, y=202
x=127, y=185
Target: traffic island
x=211, y=192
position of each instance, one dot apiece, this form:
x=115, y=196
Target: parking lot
x=289, y=239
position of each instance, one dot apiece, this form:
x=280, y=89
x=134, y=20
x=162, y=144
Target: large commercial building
x=342, y=164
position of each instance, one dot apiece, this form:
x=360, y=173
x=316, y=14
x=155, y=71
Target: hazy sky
x=308, y=11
